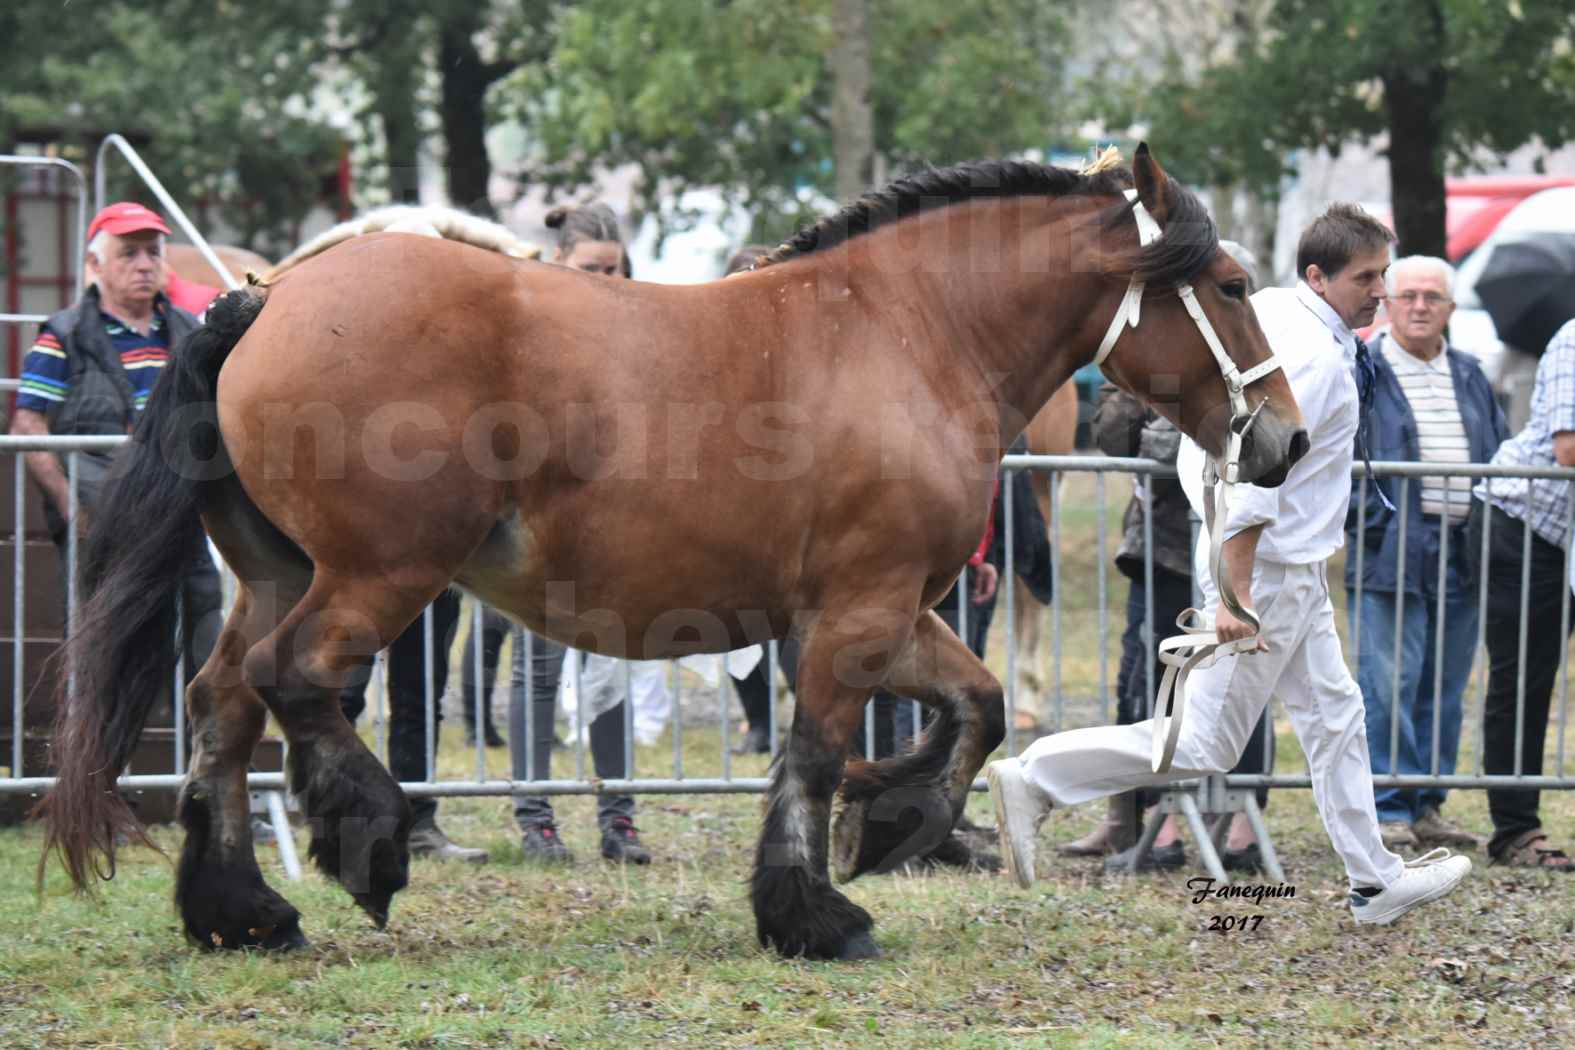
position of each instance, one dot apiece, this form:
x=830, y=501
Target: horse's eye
x=1236, y=290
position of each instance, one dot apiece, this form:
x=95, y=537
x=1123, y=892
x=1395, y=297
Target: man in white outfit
x=1276, y=544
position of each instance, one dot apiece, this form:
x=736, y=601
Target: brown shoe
x=1116, y=832
x=1431, y=829
x=1397, y=835
x=1532, y=850
x=428, y=840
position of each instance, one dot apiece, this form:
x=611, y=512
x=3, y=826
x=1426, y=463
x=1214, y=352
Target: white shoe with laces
x=1426, y=878
x=1020, y=808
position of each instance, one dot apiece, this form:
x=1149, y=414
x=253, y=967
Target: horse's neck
x=1009, y=283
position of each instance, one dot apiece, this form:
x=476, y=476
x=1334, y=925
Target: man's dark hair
x=1334, y=237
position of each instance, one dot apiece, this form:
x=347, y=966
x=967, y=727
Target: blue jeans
x=1418, y=629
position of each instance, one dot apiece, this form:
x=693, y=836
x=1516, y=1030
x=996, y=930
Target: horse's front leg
x=899, y=808
x=219, y=889
x=797, y=910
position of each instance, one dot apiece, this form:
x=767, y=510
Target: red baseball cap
x=125, y=217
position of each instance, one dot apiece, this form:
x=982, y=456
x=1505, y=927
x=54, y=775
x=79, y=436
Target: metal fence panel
x=482, y=782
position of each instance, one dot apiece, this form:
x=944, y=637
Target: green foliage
x=736, y=94
x=1305, y=74
x=210, y=95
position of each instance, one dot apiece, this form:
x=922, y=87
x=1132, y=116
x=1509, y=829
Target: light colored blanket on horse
x=447, y=223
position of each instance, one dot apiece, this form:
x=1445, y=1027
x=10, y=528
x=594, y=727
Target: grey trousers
x=533, y=705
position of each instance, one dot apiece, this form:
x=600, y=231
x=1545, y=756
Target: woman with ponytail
x=589, y=240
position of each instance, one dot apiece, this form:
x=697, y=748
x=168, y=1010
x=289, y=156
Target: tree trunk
x=1414, y=103
x=394, y=98
x=1222, y=204
x=464, y=113
x=852, y=116
x=1260, y=221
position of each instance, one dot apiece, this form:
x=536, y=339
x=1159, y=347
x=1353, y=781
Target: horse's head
x=1196, y=351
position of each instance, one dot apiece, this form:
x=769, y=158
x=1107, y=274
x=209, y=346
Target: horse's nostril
x=1274, y=478
x=1300, y=443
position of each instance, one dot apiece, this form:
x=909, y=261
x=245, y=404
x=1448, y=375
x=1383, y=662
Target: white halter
x=1198, y=645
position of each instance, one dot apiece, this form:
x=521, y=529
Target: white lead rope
x=1198, y=644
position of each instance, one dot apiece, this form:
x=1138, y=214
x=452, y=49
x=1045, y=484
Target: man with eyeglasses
x=1431, y=404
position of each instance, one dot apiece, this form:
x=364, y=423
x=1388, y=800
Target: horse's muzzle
x=1270, y=449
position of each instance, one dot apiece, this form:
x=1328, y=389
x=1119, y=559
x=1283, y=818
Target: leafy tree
x=1440, y=80
x=211, y=108
x=737, y=94
x=223, y=103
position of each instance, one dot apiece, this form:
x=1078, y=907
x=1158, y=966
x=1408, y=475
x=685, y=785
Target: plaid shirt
x=1543, y=504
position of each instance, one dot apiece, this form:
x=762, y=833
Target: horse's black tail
x=122, y=650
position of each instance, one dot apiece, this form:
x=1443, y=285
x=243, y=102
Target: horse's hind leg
x=797, y=910
x=359, y=818
x=219, y=890
x=899, y=808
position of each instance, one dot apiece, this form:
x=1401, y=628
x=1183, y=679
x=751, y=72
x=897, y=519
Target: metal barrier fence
x=273, y=800
x=484, y=782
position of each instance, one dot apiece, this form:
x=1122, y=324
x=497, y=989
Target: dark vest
x=100, y=399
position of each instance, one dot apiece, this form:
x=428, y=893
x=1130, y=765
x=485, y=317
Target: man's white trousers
x=1304, y=669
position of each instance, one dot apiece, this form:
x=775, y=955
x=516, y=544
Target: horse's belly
x=638, y=602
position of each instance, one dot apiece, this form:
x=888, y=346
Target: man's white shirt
x=1304, y=518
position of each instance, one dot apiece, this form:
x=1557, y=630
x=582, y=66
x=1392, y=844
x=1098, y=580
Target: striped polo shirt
x=1430, y=388
x=46, y=374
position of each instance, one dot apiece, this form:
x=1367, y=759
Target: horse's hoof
x=883, y=833
x=282, y=936
x=847, y=838
x=286, y=939
x=375, y=905
x=858, y=948
x=360, y=823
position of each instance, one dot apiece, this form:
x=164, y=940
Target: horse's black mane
x=1190, y=241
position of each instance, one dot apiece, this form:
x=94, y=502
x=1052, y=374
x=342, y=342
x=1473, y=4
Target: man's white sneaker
x=1019, y=810
x=1425, y=879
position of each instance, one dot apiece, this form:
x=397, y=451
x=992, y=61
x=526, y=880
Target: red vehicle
x=1475, y=206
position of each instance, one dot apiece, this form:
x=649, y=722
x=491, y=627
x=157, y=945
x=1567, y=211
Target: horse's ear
x=1151, y=181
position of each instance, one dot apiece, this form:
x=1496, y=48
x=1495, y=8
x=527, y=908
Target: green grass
x=590, y=956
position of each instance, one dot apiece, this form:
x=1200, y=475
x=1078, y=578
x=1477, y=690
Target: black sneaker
x=491, y=734
x=1160, y=858
x=621, y=843
x=542, y=844
x=1248, y=859
x=754, y=742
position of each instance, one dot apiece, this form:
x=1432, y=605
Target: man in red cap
x=90, y=371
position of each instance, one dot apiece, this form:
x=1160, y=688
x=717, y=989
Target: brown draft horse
x=637, y=469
